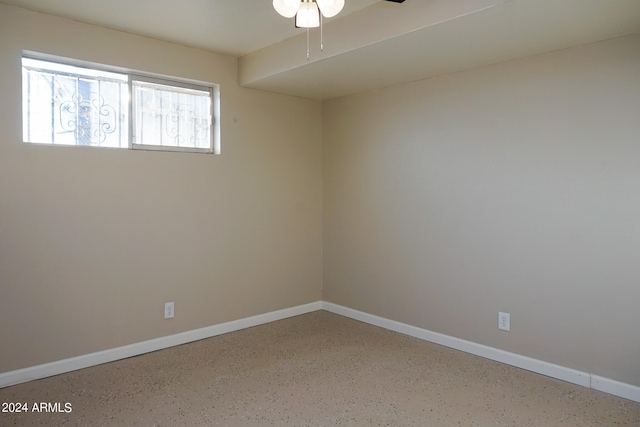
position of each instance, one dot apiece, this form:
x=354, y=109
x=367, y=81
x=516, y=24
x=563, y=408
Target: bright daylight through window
x=69, y=105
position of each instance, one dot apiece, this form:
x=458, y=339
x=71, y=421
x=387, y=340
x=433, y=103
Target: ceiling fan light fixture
x=286, y=8
x=330, y=8
x=308, y=15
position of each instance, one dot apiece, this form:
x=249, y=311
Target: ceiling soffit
x=422, y=39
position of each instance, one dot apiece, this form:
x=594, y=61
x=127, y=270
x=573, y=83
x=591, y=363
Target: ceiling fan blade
x=396, y=1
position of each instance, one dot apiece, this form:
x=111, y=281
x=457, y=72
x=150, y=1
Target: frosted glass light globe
x=330, y=8
x=286, y=8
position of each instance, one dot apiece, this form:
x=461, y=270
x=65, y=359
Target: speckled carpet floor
x=319, y=369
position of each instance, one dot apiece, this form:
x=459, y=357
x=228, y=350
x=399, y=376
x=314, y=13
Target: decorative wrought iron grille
x=171, y=116
x=74, y=106
x=70, y=105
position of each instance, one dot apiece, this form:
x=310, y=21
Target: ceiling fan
x=308, y=9
x=309, y=13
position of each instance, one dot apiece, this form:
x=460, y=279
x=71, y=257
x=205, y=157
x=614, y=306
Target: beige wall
x=514, y=187
x=94, y=241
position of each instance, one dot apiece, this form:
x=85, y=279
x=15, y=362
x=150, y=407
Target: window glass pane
x=171, y=116
x=70, y=105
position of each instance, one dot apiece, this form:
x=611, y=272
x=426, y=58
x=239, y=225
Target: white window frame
x=131, y=76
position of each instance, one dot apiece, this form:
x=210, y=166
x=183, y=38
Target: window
x=68, y=105
x=73, y=106
x=171, y=116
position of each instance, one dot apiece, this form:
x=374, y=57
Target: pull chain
x=321, y=43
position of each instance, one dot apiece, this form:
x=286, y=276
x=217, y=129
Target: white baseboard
x=111, y=355
x=616, y=388
x=584, y=379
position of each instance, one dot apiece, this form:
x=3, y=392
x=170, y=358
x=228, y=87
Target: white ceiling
x=370, y=44
x=230, y=27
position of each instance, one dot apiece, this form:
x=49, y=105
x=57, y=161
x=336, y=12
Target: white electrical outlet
x=168, y=310
x=504, y=321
